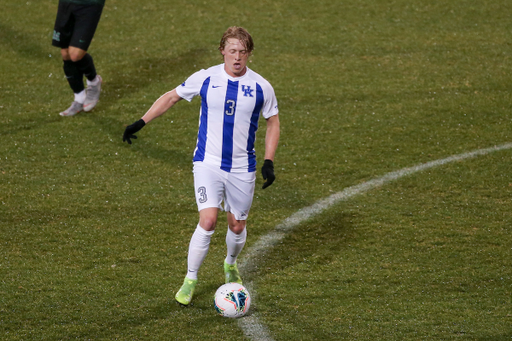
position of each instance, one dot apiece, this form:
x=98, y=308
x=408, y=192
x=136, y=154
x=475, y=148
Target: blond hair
x=239, y=33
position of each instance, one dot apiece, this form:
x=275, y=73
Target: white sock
x=197, y=250
x=80, y=97
x=94, y=82
x=235, y=243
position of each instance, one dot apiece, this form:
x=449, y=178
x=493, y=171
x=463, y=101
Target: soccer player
x=73, y=32
x=232, y=99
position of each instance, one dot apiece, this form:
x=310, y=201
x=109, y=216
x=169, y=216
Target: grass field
x=94, y=233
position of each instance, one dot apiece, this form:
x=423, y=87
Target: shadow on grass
x=27, y=48
x=131, y=80
x=316, y=241
x=24, y=45
x=127, y=80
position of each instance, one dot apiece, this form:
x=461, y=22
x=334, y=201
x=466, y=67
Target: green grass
x=94, y=232
x=417, y=260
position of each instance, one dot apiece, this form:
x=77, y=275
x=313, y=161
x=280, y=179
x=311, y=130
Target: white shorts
x=213, y=185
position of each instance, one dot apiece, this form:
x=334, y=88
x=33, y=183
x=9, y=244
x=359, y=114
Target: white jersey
x=228, y=120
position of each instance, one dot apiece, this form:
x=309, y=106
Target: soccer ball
x=232, y=300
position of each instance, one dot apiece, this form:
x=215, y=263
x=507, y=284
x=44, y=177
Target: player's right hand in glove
x=268, y=173
x=132, y=129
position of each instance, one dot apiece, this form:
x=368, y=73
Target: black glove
x=132, y=129
x=268, y=173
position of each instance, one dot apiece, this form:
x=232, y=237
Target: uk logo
x=247, y=91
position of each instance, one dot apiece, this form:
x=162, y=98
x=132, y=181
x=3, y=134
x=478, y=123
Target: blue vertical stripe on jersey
x=203, y=123
x=228, y=126
x=251, y=154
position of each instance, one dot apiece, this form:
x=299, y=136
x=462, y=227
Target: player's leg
x=239, y=196
x=209, y=188
x=62, y=33
x=235, y=242
x=200, y=241
x=86, y=22
x=197, y=251
x=76, y=83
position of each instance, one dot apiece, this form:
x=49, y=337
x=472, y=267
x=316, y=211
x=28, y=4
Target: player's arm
x=271, y=142
x=161, y=105
x=272, y=137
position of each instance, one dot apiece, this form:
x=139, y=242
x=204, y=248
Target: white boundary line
x=250, y=324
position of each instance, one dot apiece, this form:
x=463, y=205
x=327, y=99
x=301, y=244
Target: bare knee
x=208, y=223
x=208, y=218
x=76, y=54
x=237, y=226
x=65, y=54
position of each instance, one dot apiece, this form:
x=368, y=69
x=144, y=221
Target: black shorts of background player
x=74, y=29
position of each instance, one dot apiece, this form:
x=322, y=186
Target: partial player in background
x=73, y=32
x=232, y=99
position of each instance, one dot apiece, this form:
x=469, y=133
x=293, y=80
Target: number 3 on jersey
x=230, y=107
x=202, y=194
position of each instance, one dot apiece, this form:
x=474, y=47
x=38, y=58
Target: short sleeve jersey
x=228, y=119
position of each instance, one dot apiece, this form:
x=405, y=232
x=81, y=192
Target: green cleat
x=232, y=274
x=184, y=295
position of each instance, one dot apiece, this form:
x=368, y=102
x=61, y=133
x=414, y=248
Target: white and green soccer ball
x=232, y=300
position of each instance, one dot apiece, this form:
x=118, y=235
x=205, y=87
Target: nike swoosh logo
x=216, y=86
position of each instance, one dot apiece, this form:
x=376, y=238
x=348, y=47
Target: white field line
x=250, y=324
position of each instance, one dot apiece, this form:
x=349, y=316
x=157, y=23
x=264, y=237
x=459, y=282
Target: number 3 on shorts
x=202, y=194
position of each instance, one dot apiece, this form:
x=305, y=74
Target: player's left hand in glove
x=268, y=173
x=132, y=129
